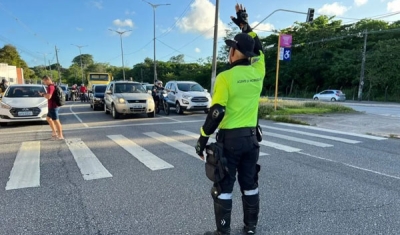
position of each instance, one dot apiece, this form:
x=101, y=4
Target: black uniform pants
x=241, y=150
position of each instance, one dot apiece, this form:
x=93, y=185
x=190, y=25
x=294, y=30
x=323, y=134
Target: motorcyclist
x=3, y=85
x=157, y=91
x=74, y=91
x=83, y=92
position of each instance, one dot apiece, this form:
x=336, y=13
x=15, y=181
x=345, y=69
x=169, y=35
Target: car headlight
x=4, y=106
x=121, y=100
x=186, y=97
x=96, y=98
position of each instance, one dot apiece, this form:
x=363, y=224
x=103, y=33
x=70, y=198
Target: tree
x=87, y=60
x=10, y=56
x=179, y=59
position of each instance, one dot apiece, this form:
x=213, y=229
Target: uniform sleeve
x=220, y=91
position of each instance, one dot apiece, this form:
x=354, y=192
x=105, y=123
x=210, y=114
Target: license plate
x=137, y=106
x=25, y=113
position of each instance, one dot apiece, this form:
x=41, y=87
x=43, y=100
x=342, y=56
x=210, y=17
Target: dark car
x=96, y=96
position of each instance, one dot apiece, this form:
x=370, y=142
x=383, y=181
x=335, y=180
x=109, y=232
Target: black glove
x=201, y=145
x=241, y=18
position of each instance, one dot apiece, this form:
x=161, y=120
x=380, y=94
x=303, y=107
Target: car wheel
x=3, y=123
x=115, y=113
x=316, y=98
x=206, y=111
x=333, y=99
x=91, y=106
x=166, y=108
x=178, y=108
x=105, y=109
x=152, y=114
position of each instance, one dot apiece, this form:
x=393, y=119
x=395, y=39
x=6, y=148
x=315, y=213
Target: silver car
x=330, y=95
x=126, y=97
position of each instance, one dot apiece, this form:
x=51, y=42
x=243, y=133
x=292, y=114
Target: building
x=13, y=74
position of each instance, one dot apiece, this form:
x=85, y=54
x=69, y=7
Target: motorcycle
x=74, y=95
x=162, y=103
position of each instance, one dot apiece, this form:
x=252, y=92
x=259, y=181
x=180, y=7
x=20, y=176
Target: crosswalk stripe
x=335, y=131
x=174, y=143
x=91, y=168
x=147, y=158
x=26, y=170
x=295, y=139
x=314, y=135
x=194, y=135
x=279, y=146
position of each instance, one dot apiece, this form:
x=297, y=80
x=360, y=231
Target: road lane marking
x=175, y=144
x=90, y=166
x=196, y=136
x=79, y=119
x=291, y=138
x=101, y=127
x=351, y=166
x=280, y=146
x=26, y=170
x=335, y=131
x=147, y=158
x=314, y=135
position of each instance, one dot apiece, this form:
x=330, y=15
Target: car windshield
x=129, y=88
x=24, y=91
x=64, y=88
x=100, y=89
x=190, y=87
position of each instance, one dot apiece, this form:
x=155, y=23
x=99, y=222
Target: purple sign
x=286, y=40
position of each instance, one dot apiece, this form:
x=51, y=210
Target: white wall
x=8, y=72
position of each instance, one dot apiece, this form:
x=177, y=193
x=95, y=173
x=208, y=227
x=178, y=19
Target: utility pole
x=122, y=50
x=58, y=66
x=154, y=6
x=361, y=85
x=45, y=61
x=80, y=57
x=215, y=42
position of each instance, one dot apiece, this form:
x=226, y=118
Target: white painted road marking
x=26, y=170
x=175, y=144
x=304, y=141
x=335, y=131
x=147, y=158
x=79, y=119
x=279, y=146
x=91, y=168
x=194, y=135
x=314, y=135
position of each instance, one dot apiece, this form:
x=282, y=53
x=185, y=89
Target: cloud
x=393, y=6
x=98, y=4
x=333, y=9
x=197, y=50
x=79, y=29
x=128, y=12
x=360, y=2
x=201, y=18
x=125, y=23
x=263, y=27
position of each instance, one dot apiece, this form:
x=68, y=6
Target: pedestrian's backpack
x=59, y=96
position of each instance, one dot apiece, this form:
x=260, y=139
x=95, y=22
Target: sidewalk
x=357, y=123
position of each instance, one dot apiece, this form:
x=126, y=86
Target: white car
x=187, y=95
x=126, y=97
x=22, y=103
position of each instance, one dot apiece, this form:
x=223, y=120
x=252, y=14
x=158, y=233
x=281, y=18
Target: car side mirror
x=149, y=92
x=205, y=90
x=109, y=92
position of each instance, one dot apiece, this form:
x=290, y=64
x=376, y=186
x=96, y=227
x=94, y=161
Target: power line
x=176, y=49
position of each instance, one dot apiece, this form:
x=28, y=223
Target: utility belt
x=236, y=133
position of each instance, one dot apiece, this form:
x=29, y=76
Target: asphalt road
x=139, y=175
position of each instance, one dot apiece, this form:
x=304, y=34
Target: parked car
x=96, y=96
x=330, y=95
x=187, y=95
x=126, y=97
x=22, y=103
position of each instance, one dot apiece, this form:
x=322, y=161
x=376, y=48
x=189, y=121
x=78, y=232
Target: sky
x=36, y=27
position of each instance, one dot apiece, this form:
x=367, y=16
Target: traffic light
x=310, y=15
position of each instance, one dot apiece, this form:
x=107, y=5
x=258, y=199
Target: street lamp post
x=154, y=6
x=80, y=57
x=122, y=50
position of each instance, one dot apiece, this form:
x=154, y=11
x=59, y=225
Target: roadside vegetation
x=286, y=109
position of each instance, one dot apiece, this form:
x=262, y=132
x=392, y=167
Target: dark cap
x=243, y=43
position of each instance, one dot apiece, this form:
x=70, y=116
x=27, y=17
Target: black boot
x=222, y=211
x=251, y=208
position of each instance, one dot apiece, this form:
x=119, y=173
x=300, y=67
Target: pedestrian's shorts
x=53, y=113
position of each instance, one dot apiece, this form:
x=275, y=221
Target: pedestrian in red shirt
x=83, y=91
x=52, y=115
